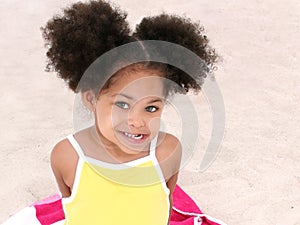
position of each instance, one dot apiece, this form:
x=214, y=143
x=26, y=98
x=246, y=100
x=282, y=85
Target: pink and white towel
x=49, y=211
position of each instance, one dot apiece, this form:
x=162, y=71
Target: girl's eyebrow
x=131, y=98
x=124, y=95
x=155, y=100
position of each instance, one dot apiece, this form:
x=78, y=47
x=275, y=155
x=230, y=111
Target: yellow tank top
x=133, y=193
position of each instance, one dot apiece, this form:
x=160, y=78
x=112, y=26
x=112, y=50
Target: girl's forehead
x=138, y=85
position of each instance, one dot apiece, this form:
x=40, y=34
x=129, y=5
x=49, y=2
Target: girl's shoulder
x=168, y=153
x=63, y=150
x=63, y=157
x=64, y=162
x=167, y=143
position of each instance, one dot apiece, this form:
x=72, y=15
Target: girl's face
x=128, y=112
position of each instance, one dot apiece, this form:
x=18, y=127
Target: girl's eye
x=122, y=105
x=151, y=108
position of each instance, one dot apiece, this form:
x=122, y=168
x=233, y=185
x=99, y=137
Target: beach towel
x=49, y=211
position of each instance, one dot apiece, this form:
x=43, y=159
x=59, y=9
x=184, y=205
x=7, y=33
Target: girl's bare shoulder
x=64, y=163
x=63, y=151
x=167, y=144
x=64, y=158
x=168, y=152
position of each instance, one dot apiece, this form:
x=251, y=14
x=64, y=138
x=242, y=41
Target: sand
x=255, y=178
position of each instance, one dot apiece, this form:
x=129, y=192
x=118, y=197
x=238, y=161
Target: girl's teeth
x=136, y=137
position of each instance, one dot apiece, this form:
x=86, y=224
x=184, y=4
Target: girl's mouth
x=134, y=138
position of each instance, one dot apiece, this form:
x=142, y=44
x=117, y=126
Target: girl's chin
x=131, y=151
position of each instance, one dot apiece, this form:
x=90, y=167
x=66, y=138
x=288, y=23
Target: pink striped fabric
x=185, y=211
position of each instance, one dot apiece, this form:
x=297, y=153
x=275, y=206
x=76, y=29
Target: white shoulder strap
x=153, y=146
x=76, y=146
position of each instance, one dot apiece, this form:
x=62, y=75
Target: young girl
x=123, y=169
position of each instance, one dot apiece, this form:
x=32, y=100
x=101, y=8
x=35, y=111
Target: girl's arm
x=171, y=185
x=169, y=155
x=63, y=166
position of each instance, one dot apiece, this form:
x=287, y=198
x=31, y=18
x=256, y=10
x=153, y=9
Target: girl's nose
x=136, y=120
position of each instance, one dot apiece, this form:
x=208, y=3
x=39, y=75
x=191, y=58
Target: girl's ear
x=89, y=100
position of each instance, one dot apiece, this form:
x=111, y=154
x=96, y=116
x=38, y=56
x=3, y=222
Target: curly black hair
x=79, y=36
x=85, y=31
x=182, y=31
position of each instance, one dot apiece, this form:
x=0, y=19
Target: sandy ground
x=255, y=178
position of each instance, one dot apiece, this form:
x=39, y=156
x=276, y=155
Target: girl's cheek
x=154, y=124
x=118, y=116
x=104, y=117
